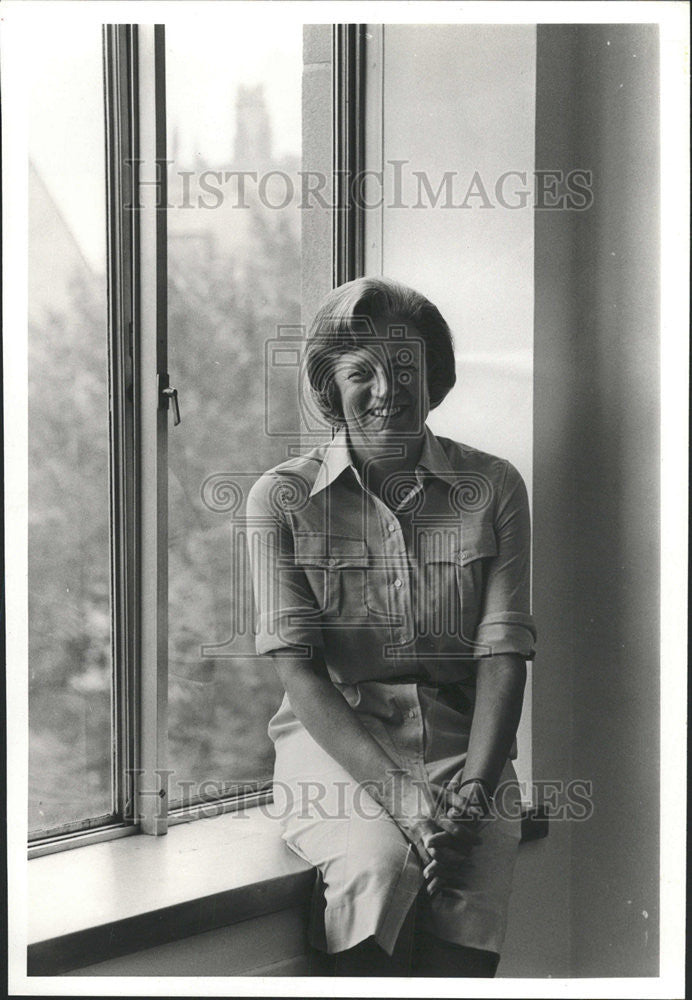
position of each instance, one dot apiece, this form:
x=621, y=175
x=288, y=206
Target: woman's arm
x=499, y=694
x=333, y=724
x=507, y=632
x=329, y=719
x=500, y=682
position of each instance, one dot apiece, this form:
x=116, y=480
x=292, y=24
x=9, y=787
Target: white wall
x=461, y=98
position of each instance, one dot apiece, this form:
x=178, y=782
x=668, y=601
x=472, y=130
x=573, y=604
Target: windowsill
x=114, y=898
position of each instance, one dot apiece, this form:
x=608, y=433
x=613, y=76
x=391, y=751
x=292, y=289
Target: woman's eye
x=357, y=375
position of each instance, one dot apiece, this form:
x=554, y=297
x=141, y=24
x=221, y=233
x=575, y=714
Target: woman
x=391, y=574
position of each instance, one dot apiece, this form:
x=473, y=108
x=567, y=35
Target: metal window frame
x=349, y=127
x=120, y=67
x=134, y=84
x=150, y=324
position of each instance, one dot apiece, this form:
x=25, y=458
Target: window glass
x=234, y=139
x=70, y=667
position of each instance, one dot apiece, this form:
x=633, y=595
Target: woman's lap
x=370, y=873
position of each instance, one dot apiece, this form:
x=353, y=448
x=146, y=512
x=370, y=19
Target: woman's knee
x=383, y=857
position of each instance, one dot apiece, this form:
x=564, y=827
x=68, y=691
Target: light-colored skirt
x=370, y=872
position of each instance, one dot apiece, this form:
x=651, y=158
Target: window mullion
x=119, y=215
x=150, y=327
x=349, y=151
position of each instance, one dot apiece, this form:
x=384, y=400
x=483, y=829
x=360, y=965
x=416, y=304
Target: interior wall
x=460, y=100
x=596, y=492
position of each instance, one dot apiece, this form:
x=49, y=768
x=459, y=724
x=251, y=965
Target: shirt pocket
x=336, y=567
x=451, y=592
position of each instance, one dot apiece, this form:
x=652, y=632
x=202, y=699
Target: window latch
x=169, y=393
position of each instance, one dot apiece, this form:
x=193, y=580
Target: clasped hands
x=446, y=836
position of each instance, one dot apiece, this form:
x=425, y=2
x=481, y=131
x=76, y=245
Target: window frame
x=119, y=45
x=134, y=106
x=136, y=220
x=349, y=130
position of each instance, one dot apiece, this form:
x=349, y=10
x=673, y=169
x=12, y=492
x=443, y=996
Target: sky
x=204, y=68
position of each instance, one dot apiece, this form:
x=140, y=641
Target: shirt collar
x=337, y=458
x=433, y=458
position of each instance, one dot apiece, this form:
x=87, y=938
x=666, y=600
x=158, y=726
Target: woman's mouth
x=387, y=411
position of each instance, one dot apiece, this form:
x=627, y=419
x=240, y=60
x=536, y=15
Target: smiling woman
x=380, y=388
x=391, y=571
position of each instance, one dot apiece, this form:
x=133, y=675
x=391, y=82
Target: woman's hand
x=443, y=829
x=459, y=799
x=463, y=814
x=421, y=832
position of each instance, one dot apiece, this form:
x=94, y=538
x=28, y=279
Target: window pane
x=69, y=576
x=233, y=105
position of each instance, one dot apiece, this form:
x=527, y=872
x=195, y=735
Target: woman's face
x=383, y=387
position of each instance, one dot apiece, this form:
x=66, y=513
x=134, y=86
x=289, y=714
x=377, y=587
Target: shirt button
x=397, y=583
x=391, y=527
x=411, y=713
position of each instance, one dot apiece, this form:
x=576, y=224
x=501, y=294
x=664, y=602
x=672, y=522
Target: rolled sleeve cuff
x=508, y=632
x=287, y=629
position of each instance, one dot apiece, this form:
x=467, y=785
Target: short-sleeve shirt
x=421, y=583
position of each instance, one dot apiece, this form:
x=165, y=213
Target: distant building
x=219, y=217
x=252, y=146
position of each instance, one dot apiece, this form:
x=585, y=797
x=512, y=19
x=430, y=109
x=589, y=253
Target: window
x=71, y=691
x=234, y=277
x=166, y=253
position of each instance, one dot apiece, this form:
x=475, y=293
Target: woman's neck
x=376, y=463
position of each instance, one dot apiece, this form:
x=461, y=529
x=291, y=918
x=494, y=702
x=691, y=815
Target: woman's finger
x=444, y=839
x=434, y=886
x=449, y=860
x=440, y=882
x=460, y=832
x=431, y=869
x=451, y=837
x=423, y=854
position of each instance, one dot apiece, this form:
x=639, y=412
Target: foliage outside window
x=233, y=279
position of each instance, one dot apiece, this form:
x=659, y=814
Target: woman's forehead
x=393, y=351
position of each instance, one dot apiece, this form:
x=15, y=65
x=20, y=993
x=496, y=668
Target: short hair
x=344, y=322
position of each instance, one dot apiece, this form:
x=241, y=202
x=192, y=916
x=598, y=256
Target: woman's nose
x=380, y=384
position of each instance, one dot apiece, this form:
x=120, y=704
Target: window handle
x=168, y=392
x=172, y=393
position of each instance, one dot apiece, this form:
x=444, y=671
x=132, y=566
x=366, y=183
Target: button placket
x=394, y=547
